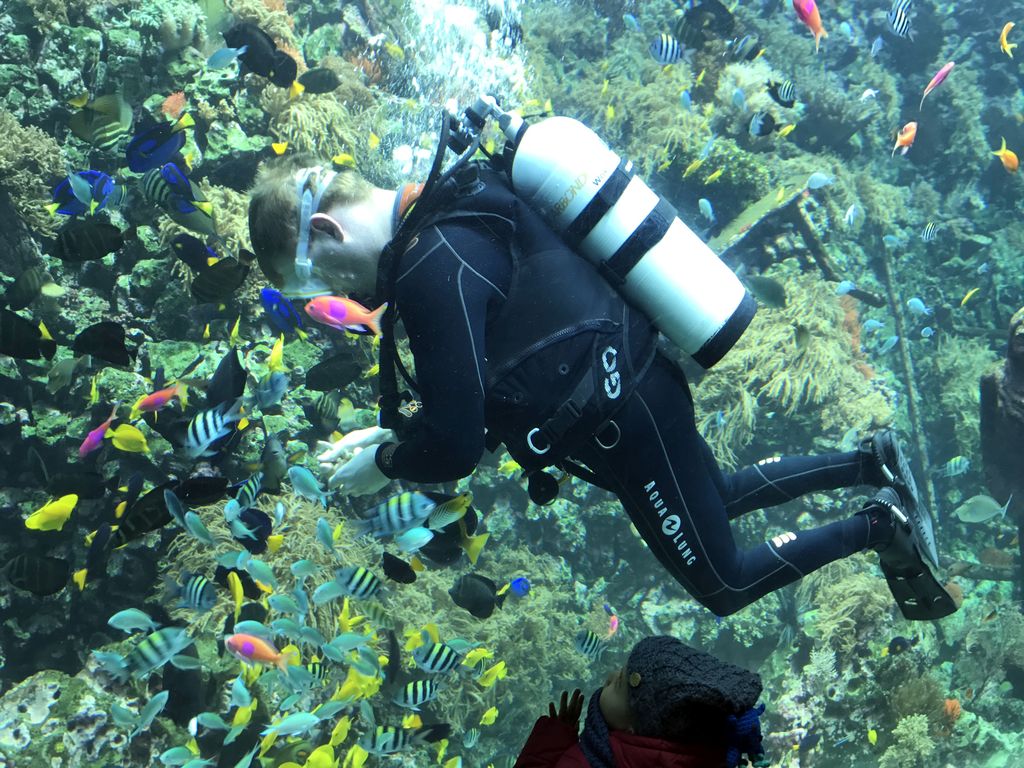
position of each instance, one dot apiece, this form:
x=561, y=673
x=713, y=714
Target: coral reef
x=28, y=176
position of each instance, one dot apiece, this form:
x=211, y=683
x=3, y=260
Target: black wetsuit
x=452, y=282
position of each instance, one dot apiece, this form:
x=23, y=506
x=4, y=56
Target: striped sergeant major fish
x=436, y=658
x=590, y=644
x=399, y=513
x=155, y=650
x=899, y=19
x=209, y=426
x=416, y=693
x=387, y=739
x=356, y=581
x=666, y=49
x=195, y=591
x=249, y=490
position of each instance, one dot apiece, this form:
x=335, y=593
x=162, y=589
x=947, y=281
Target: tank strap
x=635, y=247
x=598, y=206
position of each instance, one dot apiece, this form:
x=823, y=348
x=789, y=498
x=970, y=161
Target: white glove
x=345, y=448
x=359, y=476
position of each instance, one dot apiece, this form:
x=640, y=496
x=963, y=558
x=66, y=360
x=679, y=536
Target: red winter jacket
x=552, y=744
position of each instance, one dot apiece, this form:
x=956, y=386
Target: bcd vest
x=565, y=350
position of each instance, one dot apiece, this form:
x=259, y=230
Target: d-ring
x=618, y=435
x=529, y=442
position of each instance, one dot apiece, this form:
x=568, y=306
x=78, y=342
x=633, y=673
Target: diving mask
x=310, y=186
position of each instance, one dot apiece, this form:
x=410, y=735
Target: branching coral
x=796, y=359
x=319, y=124
x=848, y=604
x=31, y=161
x=913, y=747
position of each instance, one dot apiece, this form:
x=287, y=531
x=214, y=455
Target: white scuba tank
x=594, y=199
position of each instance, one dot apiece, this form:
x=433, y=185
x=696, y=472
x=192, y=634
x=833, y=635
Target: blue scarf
x=595, y=742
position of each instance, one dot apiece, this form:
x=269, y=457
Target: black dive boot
x=894, y=469
x=918, y=593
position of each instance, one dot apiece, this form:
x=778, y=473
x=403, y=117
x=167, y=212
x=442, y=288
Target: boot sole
x=894, y=463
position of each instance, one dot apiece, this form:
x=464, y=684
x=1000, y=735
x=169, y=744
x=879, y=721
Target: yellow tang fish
x=693, y=167
x=454, y=762
x=780, y=194
x=394, y=50
x=279, y=147
x=714, y=176
x=356, y=757
x=700, y=77
x=785, y=130
x=274, y=542
x=296, y=90
x=276, y=360
x=206, y=332
x=53, y=515
x=604, y=87
x=967, y=296
x=340, y=732
x=373, y=140
x=128, y=438
x=344, y=159
x=489, y=716
x=235, y=587
x=872, y=736
x=235, y=338
x=492, y=675
x=94, y=392
x=412, y=720
x=609, y=113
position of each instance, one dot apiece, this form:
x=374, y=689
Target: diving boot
x=917, y=592
x=893, y=469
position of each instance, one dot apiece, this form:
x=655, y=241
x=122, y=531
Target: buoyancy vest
x=565, y=350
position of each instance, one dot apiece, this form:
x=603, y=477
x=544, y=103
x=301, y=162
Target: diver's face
x=614, y=701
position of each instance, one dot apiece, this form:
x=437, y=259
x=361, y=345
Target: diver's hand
x=345, y=448
x=359, y=475
x=569, y=710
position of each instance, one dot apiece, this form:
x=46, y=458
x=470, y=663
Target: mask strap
x=309, y=203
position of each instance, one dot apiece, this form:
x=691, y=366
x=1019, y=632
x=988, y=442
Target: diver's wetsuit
x=452, y=281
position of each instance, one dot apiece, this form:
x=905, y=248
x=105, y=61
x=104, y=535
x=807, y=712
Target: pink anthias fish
x=345, y=314
x=936, y=81
x=95, y=438
x=807, y=11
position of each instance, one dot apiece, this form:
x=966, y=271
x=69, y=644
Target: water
x=106, y=93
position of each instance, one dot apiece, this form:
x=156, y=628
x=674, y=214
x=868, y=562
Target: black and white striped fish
x=666, y=49
x=414, y=694
x=399, y=513
x=436, y=658
x=899, y=19
x=356, y=581
x=317, y=669
x=249, y=490
x=930, y=232
x=209, y=426
x=156, y=650
x=195, y=591
x=387, y=739
x=784, y=94
x=590, y=644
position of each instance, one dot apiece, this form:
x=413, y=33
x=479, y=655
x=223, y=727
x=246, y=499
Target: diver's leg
x=675, y=503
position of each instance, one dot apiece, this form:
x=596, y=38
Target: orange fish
x=345, y=314
x=807, y=10
x=157, y=400
x=1008, y=157
x=905, y=138
x=255, y=650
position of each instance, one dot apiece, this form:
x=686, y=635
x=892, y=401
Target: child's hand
x=568, y=710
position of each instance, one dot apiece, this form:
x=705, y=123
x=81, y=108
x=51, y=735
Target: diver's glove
x=345, y=448
x=359, y=476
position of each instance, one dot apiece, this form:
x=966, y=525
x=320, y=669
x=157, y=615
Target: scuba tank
x=609, y=216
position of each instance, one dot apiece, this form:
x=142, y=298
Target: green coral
x=913, y=745
x=28, y=175
x=849, y=605
x=798, y=360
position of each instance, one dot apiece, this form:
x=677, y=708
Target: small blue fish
x=927, y=332
x=845, y=287
x=720, y=420
x=159, y=144
x=818, y=180
x=303, y=569
x=284, y=604
x=194, y=525
x=413, y=539
x=739, y=99
x=324, y=534
x=706, y=210
x=888, y=344
x=955, y=467
x=225, y=57
x=877, y=46
x=847, y=30
x=306, y=486
x=891, y=241
x=686, y=101
x=706, y=150
x=85, y=192
x=132, y=620
x=873, y=325
x=918, y=307
x=519, y=586
x=281, y=312
x=631, y=23
x=983, y=268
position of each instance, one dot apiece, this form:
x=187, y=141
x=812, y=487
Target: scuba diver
x=532, y=288
x=670, y=705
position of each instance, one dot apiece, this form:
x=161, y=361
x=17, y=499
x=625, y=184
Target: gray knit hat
x=670, y=682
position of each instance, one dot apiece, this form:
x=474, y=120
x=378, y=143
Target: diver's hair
x=273, y=208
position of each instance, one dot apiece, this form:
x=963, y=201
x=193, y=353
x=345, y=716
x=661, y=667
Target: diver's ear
x=328, y=225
